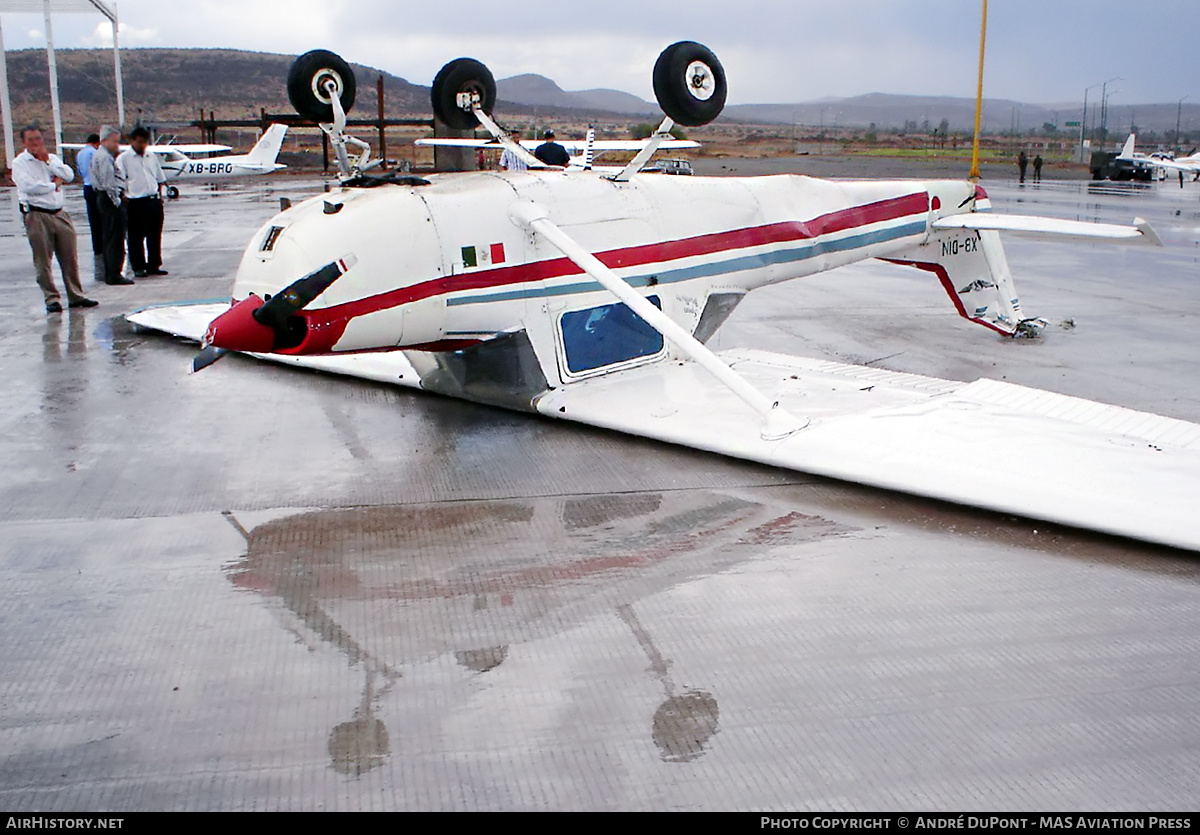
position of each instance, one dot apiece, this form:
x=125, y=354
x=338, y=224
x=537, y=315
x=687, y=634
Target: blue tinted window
x=607, y=335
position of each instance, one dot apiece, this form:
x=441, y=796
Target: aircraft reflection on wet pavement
x=495, y=574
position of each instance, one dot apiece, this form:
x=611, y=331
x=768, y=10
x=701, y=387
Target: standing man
x=510, y=161
x=108, y=190
x=83, y=161
x=1037, y=168
x=39, y=177
x=1022, y=163
x=144, y=180
x=551, y=153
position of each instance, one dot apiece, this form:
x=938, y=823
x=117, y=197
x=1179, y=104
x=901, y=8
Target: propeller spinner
x=259, y=326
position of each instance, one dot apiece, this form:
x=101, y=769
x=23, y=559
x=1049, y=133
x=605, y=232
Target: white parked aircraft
x=583, y=152
x=1184, y=165
x=178, y=165
x=589, y=296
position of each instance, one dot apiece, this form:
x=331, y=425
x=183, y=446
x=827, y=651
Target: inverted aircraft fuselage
x=439, y=267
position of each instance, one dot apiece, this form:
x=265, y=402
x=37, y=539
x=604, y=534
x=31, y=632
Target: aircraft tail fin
x=266, y=150
x=973, y=270
x=1130, y=143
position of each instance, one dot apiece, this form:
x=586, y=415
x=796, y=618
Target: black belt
x=26, y=208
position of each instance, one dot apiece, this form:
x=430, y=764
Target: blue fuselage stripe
x=758, y=260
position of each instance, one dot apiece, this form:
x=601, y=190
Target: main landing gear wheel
x=462, y=75
x=307, y=84
x=689, y=83
x=172, y=192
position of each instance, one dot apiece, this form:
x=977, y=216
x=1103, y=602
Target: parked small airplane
x=583, y=152
x=178, y=165
x=1184, y=165
x=589, y=295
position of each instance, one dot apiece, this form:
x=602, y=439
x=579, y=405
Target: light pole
x=1083, y=120
x=974, y=175
x=1178, y=114
x=1104, y=110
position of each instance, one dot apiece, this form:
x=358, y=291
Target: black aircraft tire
x=689, y=97
x=306, y=84
x=459, y=76
x=172, y=192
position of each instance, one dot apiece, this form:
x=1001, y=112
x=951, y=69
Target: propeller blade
x=260, y=326
x=207, y=356
x=299, y=294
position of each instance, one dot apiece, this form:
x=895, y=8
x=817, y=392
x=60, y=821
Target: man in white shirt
x=39, y=177
x=144, y=180
x=510, y=161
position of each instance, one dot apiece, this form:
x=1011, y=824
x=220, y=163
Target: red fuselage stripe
x=326, y=325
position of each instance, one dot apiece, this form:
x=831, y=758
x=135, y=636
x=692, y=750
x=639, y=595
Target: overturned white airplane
x=589, y=295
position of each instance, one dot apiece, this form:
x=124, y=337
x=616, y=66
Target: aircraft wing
x=1190, y=166
x=578, y=146
x=986, y=444
x=200, y=148
x=451, y=142
x=574, y=146
x=1047, y=227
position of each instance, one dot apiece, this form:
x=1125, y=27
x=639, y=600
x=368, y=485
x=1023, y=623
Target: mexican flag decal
x=475, y=256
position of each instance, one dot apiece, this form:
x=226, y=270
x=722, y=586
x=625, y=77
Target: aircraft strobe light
x=259, y=326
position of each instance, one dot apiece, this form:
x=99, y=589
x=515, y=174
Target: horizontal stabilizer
x=1046, y=227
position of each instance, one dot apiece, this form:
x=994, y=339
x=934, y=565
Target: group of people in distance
x=123, y=193
x=1023, y=165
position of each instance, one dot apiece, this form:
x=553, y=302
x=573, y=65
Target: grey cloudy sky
x=1038, y=50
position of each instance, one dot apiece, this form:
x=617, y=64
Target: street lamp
x=1083, y=119
x=1104, y=109
x=1178, y=113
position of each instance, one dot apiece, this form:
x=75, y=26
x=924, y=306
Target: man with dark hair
x=510, y=161
x=551, y=153
x=39, y=177
x=108, y=200
x=83, y=162
x=144, y=180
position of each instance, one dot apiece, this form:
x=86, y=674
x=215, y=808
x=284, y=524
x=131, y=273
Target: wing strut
x=643, y=156
x=504, y=139
x=777, y=422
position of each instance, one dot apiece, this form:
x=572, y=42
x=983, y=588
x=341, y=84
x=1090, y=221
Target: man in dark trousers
x=108, y=191
x=144, y=179
x=39, y=177
x=551, y=153
x=83, y=161
x=1037, y=168
x=1022, y=164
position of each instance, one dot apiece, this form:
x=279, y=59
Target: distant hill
x=999, y=115
x=539, y=91
x=171, y=85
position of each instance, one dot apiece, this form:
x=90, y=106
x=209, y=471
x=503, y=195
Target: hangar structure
x=49, y=8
